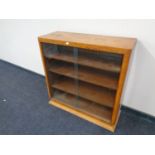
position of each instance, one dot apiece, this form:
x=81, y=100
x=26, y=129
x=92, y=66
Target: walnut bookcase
x=85, y=74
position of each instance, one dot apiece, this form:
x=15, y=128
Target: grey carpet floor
x=24, y=109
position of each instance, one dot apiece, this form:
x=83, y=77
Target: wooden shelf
x=93, y=93
x=85, y=74
x=93, y=62
x=85, y=106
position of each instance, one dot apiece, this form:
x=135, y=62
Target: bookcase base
x=108, y=126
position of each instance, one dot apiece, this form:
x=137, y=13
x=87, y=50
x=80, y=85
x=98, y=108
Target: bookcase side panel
x=121, y=81
x=45, y=71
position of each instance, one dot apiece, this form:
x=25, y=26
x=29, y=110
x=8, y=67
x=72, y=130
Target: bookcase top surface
x=90, y=41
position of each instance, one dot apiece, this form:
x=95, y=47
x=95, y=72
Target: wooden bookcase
x=85, y=74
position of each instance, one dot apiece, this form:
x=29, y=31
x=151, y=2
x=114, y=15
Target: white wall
x=18, y=45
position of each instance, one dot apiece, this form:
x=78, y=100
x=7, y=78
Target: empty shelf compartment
x=104, y=61
x=86, y=74
x=88, y=91
x=85, y=106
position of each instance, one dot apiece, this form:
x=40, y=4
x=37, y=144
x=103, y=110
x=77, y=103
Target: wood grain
x=101, y=123
x=90, y=41
x=48, y=82
x=94, y=63
x=85, y=106
x=120, y=87
x=93, y=93
x=89, y=75
x=90, y=79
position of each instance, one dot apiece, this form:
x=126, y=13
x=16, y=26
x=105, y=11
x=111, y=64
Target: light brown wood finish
x=98, y=64
x=95, y=90
x=48, y=84
x=85, y=74
x=87, y=91
x=89, y=41
x=120, y=86
x=101, y=123
x=87, y=107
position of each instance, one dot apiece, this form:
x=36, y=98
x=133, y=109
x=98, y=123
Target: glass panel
x=60, y=62
x=98, y=74
x=82, y=79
